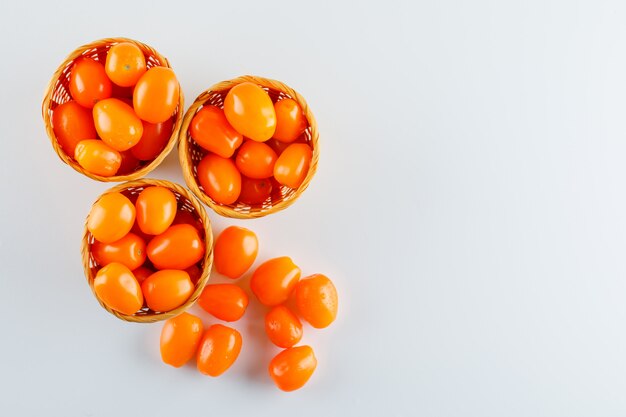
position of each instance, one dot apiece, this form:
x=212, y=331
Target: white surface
x=469, y=206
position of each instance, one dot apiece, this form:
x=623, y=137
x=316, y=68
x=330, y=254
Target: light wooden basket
x=58, y=93
x=186, y=201
x=190, y=153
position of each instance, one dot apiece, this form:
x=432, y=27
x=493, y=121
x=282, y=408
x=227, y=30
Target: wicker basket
x=187, y=202
x=58, y=93
x=190, y=153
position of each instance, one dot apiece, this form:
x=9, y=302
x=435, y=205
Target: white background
x=469, y=205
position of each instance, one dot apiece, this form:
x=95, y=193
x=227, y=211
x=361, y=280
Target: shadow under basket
x=186, y=202
x=190, y=153
x=58, y=93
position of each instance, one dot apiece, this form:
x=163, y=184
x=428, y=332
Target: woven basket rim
x=207, y=261
x=187, y=164
x=47, y=100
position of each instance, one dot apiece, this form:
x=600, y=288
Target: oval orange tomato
x=274, y=280
x=210, y=129
x=219, y=349
x=167, y=289
x=156, y=209
x=153, y=140
x=180, y=338
x=178, y=247
x=219, y=178
x=290, y=121
x=125, y=64
x=89, y=82
x=293, y=367
x=118, y=289
x=255, y=191
x=256, y=160
x=111, y=217
x=130, y=251
x=249, y=109
x=235, y=251
x=292, y=166
x=117, y=124
x=227, y=302
x=316, y=298
x=97, y=157
x=283, y=327
x=156, y=95
x=72, y=123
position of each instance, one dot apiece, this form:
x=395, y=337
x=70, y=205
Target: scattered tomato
x=167, y=289
x=156, y=209
x=118, y=289
x=111, y=217
x=117, y=124
x=129, y=251
x=219, y=178
x=235, y=251
x=180, y=338
x=72, y=123
x=256, y=160
x=283, y=327
x=290, y=121
x=292, y=165
x=210, y=129
x=316, y=298
x=142, y=273
x=125, y=64
x=156, y=95
x=178, y=247
x=293, y=367
x=255, y=192
x=273, y=280
x=226, y=302
x=219, y=349
x=154, y=139
x=97, y=157
x=249, y=109
x=89, y=82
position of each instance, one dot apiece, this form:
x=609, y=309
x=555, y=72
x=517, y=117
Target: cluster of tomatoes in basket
x=147, y=251
x=274, y=283
x=253, y=146
x=120, y=113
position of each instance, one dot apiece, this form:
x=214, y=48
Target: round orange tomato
x=273, y=281
x=219, y=178
x=293, y=367
x=156, y=209
x=178, y=247
x=235, y=251
x=180, y=338
x=290, y=121
x=249, y=109
x=142, y=273
x=292, y=165
x=226, y=302
x=156, y=95
x=316, y=298
x=129, y=251
x=116, y=286
x=125, y=64
x=210, y=129
x=255, y=191
x=128, y=164
x=219, y=349
x=256, y=160
x=117, y=124
x=111, y=217
x=89, y=82
x=154, y=139
x=72, y=123
x=283, y=327
x=97, y=157
x=167, y=289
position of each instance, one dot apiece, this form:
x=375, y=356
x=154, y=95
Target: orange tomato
x=129, y=251
x=249, y=109
x=97, y=157
x=178, y=247
x=273, y=280
x=117, y=124
x=292, y=165
x=219, y=178
x=167, y=289
x=256, y=160
x=142, y=273
x=186, y=217
x=156, y=209
x=316, y=298
x=125, y=64
x=89, y=82
x=180, y=338
x=194, y=273
x=153, y=140
x=235, y=251
x=290, y=121
x=116, y=286
x=111, y=217
x=255, y=191
x=72, y=123
x=277, y=146
x=156, y=95
x=219, y=349
x=283, y=327
x=293, y=367
x=129, y=163
x=210, y=129
x=227, y=302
